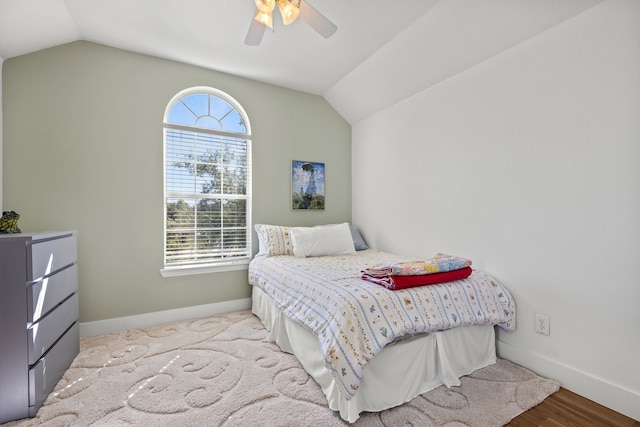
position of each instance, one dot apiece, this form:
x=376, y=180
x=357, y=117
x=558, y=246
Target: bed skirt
x=401, y=371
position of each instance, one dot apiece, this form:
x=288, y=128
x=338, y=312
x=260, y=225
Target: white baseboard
x=101, y=327
x=612, y=396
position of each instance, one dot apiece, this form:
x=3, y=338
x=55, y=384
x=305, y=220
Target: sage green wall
x=83, y=150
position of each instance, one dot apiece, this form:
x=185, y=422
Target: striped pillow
x=273, y=240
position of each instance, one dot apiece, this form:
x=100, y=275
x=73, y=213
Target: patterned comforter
x=354, y=319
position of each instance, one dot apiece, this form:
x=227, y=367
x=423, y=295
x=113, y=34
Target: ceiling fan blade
x=316, y=20
x=255, y=33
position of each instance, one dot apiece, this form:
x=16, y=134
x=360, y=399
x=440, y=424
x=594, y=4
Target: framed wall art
x=307, y=185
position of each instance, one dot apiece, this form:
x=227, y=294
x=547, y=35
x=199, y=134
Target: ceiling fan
x=290, y=11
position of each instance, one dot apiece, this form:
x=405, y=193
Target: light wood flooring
x=568, y=409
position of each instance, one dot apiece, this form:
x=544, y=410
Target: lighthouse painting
x=307, y=185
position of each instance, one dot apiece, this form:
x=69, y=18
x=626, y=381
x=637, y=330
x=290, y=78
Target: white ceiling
x=210, y=33
x=383, y=49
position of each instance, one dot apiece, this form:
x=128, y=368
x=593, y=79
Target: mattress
x=403, y=370
x=355, y=325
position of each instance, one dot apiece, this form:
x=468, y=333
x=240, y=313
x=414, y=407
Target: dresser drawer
x=42, y=334
x=44, y=295
x=50, y=255
x=44, y=376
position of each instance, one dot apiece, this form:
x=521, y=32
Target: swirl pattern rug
x=222, y=371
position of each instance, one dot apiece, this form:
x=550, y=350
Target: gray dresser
x=38, y=317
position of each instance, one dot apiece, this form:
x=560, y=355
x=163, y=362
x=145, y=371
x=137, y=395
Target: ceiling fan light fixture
x=289, y=9
x=266, y=6
x=265, y=18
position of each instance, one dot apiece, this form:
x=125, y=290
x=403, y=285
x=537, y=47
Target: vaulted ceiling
x=382, y=52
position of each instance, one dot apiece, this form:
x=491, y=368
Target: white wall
x=528, y=164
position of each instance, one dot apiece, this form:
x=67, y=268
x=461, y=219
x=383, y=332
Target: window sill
x=203, y=269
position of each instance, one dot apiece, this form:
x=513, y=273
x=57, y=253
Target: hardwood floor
x=567, y=409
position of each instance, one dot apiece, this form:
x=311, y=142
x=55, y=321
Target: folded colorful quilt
x=403, y=282
x=354, y=319
x=439, y=264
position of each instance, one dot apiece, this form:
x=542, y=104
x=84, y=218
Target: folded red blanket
x=403, y=282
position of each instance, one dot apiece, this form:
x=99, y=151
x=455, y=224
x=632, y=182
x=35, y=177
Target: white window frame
x=240, y=263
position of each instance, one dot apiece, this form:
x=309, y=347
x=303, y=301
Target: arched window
x=207, y=183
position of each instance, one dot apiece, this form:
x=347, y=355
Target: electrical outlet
x=542, y=324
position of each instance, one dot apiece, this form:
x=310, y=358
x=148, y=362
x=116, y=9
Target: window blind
x=207, y=195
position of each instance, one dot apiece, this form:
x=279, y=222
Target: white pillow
x=322, y=240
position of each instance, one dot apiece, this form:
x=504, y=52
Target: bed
x=370, y=348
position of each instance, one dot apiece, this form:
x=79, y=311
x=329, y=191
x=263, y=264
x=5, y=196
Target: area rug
x=222, y=371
